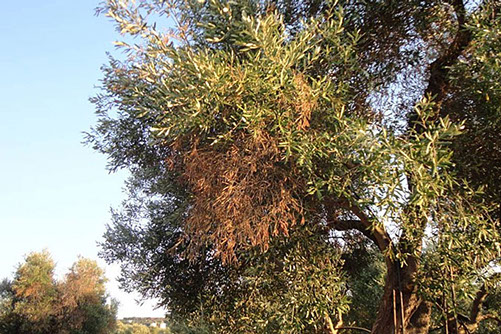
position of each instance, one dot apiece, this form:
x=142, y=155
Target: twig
x=355, y=328
x=402, y=311
x=394, y=313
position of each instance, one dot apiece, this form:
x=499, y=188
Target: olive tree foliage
x=246, y=122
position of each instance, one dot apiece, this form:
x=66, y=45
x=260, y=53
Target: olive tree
x=242, y=121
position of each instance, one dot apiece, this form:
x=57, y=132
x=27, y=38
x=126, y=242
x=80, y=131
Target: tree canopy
x=35, y=302
x=267, y=134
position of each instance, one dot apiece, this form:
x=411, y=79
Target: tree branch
x=438, y=87
x=364, y=224
x=381, y=237
x=351, y=224
x=438, y=82
x=354, y=328
x=491, y=317
x=476, y=309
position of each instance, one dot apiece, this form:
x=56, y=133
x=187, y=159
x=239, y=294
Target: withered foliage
x=242, y=195
x=305, y=102
x=244, y=191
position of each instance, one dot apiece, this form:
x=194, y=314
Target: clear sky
x=55, y=193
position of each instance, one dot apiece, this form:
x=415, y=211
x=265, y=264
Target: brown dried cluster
x=305, y=104
x=243, y=195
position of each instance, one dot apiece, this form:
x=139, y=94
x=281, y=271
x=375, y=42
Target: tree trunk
x=401, y=310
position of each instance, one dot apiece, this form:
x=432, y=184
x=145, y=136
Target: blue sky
x=55, y=193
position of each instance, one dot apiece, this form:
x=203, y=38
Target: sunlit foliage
x=246, y=121
x=35, y=302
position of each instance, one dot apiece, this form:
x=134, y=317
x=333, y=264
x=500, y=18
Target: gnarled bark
x=401, y=309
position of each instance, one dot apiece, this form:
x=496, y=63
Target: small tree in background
x=34, y=294
x=83, y=300
x=35, y=302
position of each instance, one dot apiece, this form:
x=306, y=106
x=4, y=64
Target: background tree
x=135, y=328
x=34, y=294
x=83, y=299
x=35, y=302
x=249, y=119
